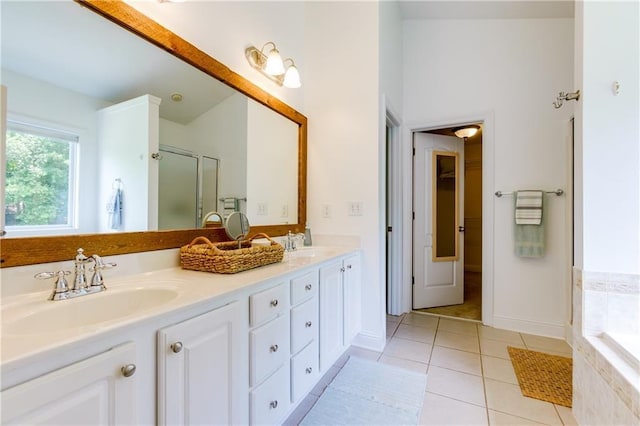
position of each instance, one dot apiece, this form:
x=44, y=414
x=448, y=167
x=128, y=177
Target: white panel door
x=90, y=392
x=200, y=365
x=436, y=282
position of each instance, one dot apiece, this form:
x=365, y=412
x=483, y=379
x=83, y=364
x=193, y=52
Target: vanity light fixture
x=466, y=131
x=272, y=65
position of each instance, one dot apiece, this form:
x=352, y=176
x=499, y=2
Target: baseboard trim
x=530, y=327
x=369, y=341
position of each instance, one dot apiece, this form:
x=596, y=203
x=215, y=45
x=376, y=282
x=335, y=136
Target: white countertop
x=188, y=288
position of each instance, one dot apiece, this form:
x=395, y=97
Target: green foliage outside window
x=37, y=180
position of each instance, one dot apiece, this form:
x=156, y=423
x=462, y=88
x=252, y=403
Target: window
x=40, y=178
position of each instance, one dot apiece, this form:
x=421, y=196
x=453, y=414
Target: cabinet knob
x=274, y=303
x=128, y=370
x=308, y=287
x=308, y=324
x=348, y=266
x=274, y=348
x=342, y=269
x=273, y=404
x=176, y=347
x=308, y=370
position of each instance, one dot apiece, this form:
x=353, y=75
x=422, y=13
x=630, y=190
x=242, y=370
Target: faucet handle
x=97, y=280
x=60, y=288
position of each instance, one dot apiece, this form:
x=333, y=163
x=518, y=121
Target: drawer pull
x=308, y=324
x=308, y=370
x=274, y=303
x=128, y=370
x=348, y=266
x=342, y=269
x=273, y=404
x=176, y=347
x=274, y=348
x=308, y=287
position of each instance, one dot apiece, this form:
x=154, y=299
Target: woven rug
x=543, y=376
x=370, y=393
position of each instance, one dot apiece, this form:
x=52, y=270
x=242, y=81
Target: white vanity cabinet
x=97, y=390
x=304, y=334
x=340, y=290
x=200, y=369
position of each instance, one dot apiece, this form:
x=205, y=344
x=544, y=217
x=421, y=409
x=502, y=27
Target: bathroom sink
x=89, y=310
x=307, y=252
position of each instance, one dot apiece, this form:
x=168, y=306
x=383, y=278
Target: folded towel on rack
x=528, y=237
x=230, y=204
x=529, y=207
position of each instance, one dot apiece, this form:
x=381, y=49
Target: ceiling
x=71, y=47
x=479, y=9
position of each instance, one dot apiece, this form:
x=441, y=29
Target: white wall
x=272, y=166
x=610, y=127
x=390, y=40
x=341, y=101
x=42, y=103
x=128, y=133
x=511, y=70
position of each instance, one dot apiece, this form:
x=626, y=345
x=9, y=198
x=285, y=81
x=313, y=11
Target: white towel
x=230, y=204
x=528, y=209
x=114, y=207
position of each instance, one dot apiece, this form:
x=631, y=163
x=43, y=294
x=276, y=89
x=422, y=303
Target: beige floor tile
x=462, y=342
x=454, y=359
x=458, y=326
x=566, y=415
x=427, y=321
x=440, y=410
x=454, y=384
x=499, y=334
x=496, y=348
x=404, y=363
x=408, y=349
x=391, y=328
x=499, y=369
x=394, y=318
x=540, y=343
x=503, y=419
x=507, y=398
x=419, y=334
x=562, y=352
x=363, y=353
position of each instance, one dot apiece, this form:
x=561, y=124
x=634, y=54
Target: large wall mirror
x=153, y=133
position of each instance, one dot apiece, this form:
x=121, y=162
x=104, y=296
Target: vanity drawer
x=304, y=370
x=267, y=304
x=269, y=348
x=304, y=324
x=270, y=400
x=304, y=287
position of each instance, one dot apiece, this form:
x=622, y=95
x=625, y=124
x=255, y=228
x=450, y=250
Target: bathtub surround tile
x=457, y=341
x=404, y=363
x=453, y=359
x=623, y=313
x=454, y=384
x=595, y=311
x=440, y=410
x=507, y=398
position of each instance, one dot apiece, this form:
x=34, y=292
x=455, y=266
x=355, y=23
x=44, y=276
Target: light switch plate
x=355, y=208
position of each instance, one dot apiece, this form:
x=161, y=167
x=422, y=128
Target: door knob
x=460, y=228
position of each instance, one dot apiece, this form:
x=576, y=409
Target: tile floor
x=470, y=380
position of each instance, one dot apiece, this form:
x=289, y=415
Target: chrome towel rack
x=558, y=192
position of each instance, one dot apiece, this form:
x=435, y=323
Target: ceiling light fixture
x=272, y=65
x=466, y=131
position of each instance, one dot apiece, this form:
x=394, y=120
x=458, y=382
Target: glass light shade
x=274, y=63
x=292, y=78
x=466, y=132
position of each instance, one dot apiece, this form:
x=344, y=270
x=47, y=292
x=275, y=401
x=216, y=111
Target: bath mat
x=370, y=393
x=543, y=376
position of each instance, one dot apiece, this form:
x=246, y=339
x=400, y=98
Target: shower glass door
x=178, y=193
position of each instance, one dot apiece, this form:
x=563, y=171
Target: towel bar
x=558, y=192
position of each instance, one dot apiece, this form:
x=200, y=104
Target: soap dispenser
x=307, y=235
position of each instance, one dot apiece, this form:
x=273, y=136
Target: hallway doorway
x=470, y=232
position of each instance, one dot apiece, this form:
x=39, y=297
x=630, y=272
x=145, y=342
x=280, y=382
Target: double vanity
x=174, y=346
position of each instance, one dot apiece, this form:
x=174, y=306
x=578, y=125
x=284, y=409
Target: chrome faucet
x=80, y=287
x=290, y=243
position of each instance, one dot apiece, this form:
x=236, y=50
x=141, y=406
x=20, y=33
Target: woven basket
x=227, y=258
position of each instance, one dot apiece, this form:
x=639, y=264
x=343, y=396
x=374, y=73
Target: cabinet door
x=331, y=314
x=200, y=372
x=352, y=298
x=90, y=392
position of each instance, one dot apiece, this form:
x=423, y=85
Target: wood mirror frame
x=33, y=250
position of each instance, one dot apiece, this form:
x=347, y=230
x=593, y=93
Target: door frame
x=488, y=159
